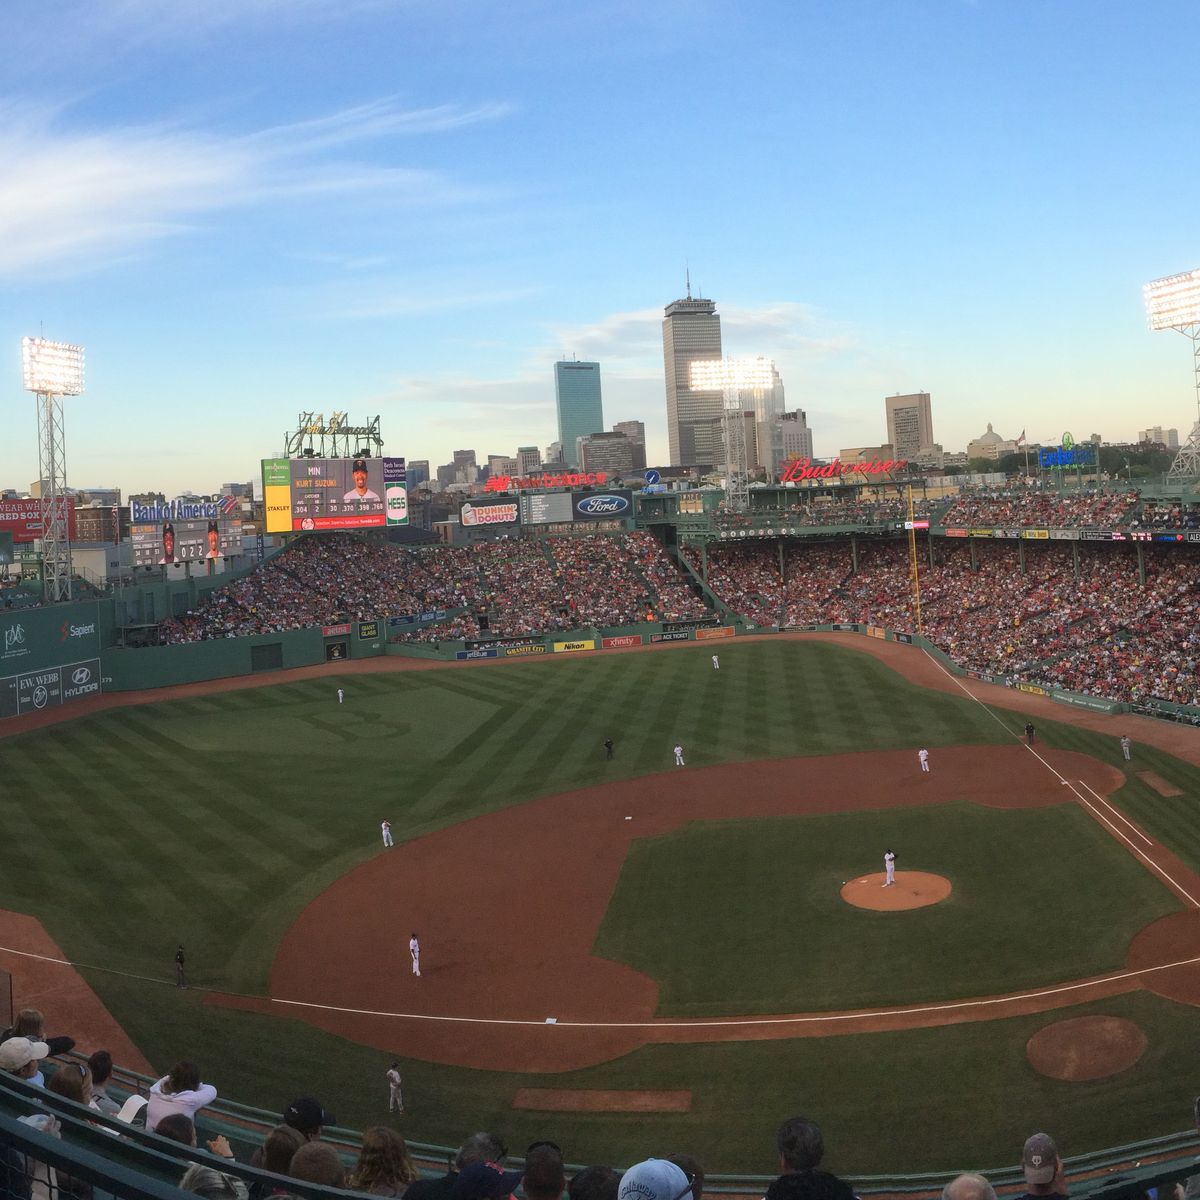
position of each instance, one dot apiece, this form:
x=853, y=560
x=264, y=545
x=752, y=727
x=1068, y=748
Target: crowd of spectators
x=523, y=585
x=1097, y=631
x=295, y=1150
x=822, y=510
x=1030, y=508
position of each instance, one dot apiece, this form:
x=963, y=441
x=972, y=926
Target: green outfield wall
x=51, y=655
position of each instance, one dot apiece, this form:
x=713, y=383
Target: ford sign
x=602, y=506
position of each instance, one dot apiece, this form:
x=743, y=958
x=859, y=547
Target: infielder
x=679, y=755
x=1126, y=748
x=716, y=663
x=414, y=948
x=923, y=755
x=386, y=829
x=889, y=868
x=395, y=1098
x=341, y=696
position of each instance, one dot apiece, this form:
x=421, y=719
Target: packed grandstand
x=1115, y=619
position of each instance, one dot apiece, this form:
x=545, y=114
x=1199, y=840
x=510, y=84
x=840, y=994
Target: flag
x=230, y=503
x=1021, y=439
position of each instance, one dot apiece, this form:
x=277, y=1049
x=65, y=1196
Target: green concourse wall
x=51, y=655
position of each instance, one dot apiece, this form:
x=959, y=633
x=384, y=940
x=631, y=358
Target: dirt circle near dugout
x=1085, y=1048
x=912, y=889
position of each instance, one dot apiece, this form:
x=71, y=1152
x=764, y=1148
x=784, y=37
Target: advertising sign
x=335, y=630
x=676, y=626
x=463, y=655
x=48, y=688
x=395, y=494
x=681, y=636
x=23, y=519
x=368, y=631
x=626, y=639
x=568, y=479
x=523, y=651
x=333, y=493
x=722, y=631
x=571, y=647
x=602, y=506
x=475, y=513
x=164, y=542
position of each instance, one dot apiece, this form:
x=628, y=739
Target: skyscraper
x=691, y=331
x=635, y=431
x=580, y=409
x=909, y=424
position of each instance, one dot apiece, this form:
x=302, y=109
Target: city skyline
x=211, y=200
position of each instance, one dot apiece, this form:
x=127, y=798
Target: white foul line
x=1174, y=884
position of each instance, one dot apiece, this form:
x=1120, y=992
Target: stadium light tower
x=1174, y=303
x=51, y=371
x=731, y=377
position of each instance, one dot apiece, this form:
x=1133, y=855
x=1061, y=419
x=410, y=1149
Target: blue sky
x=249, y=208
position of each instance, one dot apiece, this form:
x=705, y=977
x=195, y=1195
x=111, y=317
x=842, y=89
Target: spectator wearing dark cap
x=594, y=1183
x=478, y=1148
x=307, y=1114
x=360, y=491
x=801, y=1149
x=318, y=1162
x=544, y=1178
x=1042, y=1167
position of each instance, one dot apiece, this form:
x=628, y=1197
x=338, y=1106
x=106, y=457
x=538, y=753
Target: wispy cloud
x=80, y=196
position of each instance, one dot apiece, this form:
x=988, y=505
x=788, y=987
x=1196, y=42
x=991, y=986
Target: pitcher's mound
x=912, y=889
x=1085, y=1048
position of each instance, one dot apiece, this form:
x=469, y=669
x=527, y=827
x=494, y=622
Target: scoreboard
x=159, y=542
x=333, y=493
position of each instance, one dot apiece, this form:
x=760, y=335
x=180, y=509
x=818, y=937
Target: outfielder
x=923, y=755
x=889, y=868
x=679, y=755
x=414, y=948
x=341, y=696
x=716, y=663
x=1127, y=747
x=386, y=828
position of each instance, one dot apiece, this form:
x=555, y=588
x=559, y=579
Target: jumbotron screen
x=156, y=543
x=334, y=493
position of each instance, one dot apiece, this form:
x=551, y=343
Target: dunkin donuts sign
x=474, y=514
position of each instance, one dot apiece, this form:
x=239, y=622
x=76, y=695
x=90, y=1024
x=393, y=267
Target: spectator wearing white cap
x=1042, y=1167
x=21, y=1057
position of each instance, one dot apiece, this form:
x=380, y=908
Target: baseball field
x=629, y=956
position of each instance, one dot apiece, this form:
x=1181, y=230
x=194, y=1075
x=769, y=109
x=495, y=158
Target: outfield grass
x=213, y=820
x=737, y=917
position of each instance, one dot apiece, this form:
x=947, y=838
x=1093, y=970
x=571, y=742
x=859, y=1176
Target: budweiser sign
x=804, y=468
x=510, y=483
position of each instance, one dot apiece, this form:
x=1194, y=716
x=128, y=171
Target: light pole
x=731, y=377
x=51, y=371
x=1173, y=302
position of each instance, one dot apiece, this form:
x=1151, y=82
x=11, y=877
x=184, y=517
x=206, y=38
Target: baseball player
x=1126, y=747
x=716, y=663
x=341, y=696
x=608, y=747
x=386, y=829
x=679, y=755
x=923, y=755
x=414, y=948
x=889, y=868
x=395, y=1098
